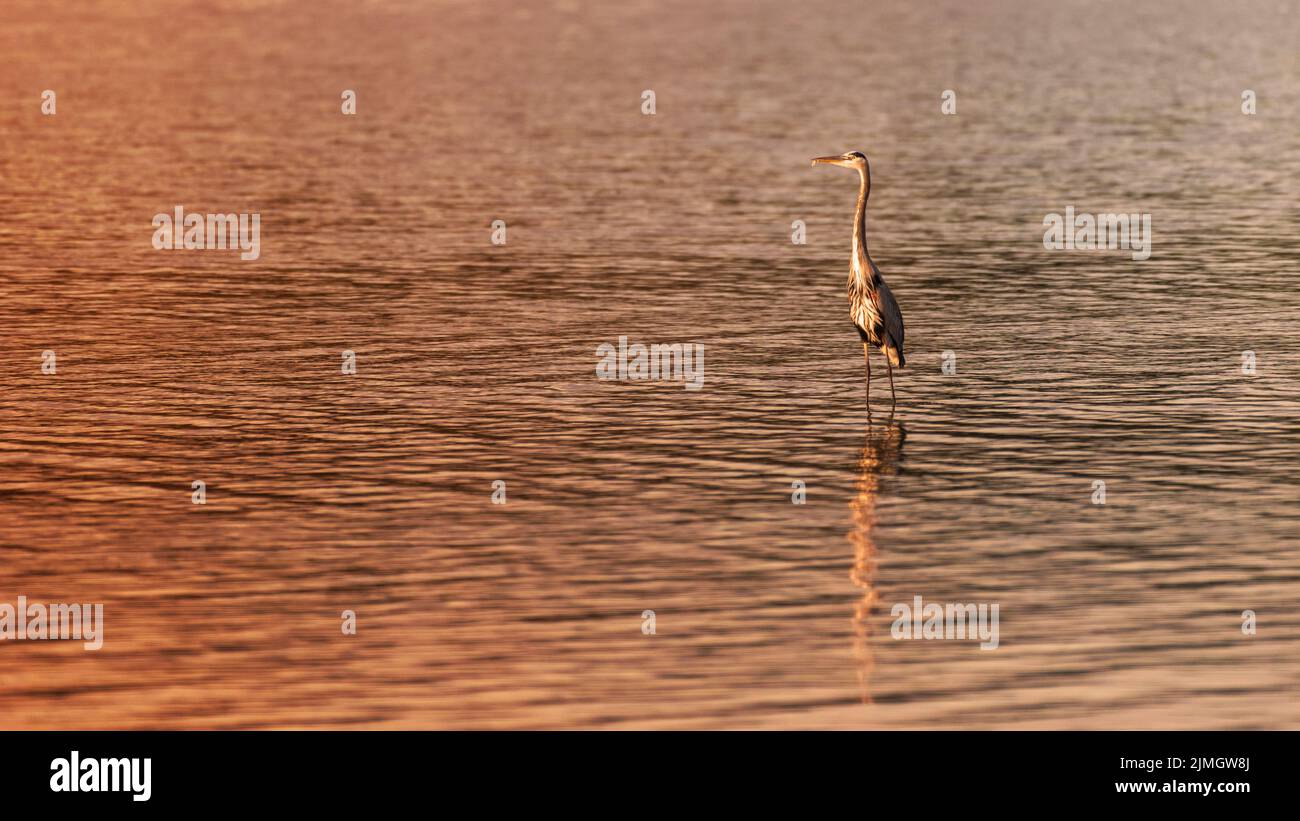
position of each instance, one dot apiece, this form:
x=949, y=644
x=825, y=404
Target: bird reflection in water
x=881, y=455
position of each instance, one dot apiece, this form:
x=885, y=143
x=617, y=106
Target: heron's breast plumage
x=862, y=307
x=863, y=311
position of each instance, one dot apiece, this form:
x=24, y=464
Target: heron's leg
x=893, y=399
x=866, y=355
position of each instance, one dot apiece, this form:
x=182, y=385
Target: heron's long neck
x=862, y=259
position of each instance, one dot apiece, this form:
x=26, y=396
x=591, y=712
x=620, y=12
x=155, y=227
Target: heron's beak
x=828, y=161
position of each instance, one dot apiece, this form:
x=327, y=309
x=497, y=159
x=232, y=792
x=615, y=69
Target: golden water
x=476, y=363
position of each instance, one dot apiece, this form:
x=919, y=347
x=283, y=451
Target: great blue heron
x=871, y=304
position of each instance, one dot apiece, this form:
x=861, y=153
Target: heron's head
x=854, y=159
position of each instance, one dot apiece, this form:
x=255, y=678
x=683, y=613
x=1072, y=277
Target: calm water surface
x=476, y=363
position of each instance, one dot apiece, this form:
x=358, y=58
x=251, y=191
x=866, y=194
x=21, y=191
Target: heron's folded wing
x=889, y=313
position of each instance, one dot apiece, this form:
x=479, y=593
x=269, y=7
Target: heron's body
x=872, y=307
